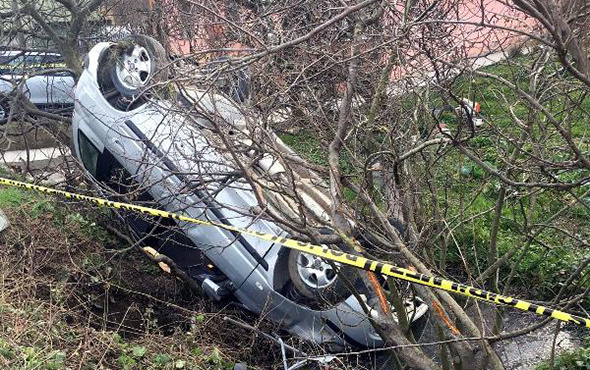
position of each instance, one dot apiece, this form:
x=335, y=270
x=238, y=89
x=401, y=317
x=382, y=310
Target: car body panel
x=50, y=90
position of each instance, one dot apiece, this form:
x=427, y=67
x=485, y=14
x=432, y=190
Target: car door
x=48, y=89
x=162, y=234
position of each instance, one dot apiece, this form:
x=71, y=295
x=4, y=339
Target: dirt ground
x=74, y=297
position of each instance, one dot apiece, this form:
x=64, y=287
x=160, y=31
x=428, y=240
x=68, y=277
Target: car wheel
x=139, y=61
x=235, y=84
x=315, y=278
x=241, y=91
x=4, y=108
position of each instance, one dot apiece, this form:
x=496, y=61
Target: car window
x=88, y=153
x=114, y=175
x=11, y=64
x=52, y=60
x=32, y=59
x=28, y=63
x=5, y=63
x=32, y=62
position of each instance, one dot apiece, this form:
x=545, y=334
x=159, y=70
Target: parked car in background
x=31, y=71
x=150, y=151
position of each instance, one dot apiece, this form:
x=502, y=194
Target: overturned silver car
x=201, y=153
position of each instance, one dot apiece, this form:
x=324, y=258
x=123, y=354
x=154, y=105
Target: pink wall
x=467, y=32
x=481, y=40
x=458, y=18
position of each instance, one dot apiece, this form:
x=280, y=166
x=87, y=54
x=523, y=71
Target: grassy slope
x=465, y=182
x=546, y=266
x=71, y=297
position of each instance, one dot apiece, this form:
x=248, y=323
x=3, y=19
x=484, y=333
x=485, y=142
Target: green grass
x=548, y=264
x=13, y=197
x=465, y=190
x=60, y=299
x=311, y=148
x=307, y=145
x=578, y=359
x=17, y=202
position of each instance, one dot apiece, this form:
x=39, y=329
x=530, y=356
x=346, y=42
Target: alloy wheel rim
x=315, y=272
x=134, y=69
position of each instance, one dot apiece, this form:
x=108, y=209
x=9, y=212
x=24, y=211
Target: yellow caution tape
x=32, y=66
x=330, y=254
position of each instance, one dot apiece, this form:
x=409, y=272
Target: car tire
x=242, y=91
x=139, y=61
x=235, y=85
x=4, y=109
x=329, y=288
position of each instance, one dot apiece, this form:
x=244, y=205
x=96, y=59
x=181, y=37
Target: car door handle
x=119, y=145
